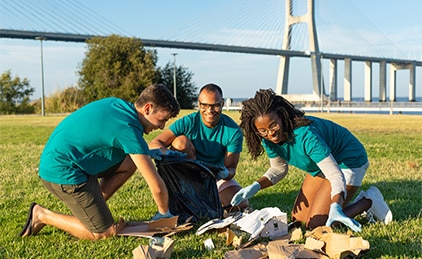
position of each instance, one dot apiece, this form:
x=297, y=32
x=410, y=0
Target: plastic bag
x=192, y=188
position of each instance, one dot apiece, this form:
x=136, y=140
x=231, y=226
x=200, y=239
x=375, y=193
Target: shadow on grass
x=401, y=238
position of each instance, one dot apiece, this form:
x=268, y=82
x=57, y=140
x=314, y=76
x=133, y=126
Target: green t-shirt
x=91, y=140
x=315, y=142
x=211, y=144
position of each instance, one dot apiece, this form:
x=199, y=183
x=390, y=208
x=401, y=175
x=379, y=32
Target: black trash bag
x=193, y=193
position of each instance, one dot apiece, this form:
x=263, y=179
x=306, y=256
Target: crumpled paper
x=255, y=222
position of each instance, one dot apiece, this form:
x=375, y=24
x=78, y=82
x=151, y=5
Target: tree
x=14, y=94
x=116, y=66
x=185, y=88
x=67, y=100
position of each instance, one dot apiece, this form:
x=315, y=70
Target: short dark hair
x=211, y=88
x=161, y=97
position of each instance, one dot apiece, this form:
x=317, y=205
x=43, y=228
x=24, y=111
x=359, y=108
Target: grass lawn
x=393, y=143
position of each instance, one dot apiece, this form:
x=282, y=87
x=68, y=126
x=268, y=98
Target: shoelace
x=370, y=217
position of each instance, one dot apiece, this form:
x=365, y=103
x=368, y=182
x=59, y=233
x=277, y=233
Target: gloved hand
x=174, y=153
x=158, y=215
x=336, y=214
x=155, y=154
x=223, y=173
x=245, y=193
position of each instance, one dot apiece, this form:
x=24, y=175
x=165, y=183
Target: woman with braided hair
x=334, y=159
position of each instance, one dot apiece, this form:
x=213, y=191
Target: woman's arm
x=274, y=174
x=333, y=174
x=277, y=171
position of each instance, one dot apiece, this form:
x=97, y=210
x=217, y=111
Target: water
x=354, y=99
x=358, y=106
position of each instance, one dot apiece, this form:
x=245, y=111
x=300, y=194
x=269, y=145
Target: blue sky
x=240, y=75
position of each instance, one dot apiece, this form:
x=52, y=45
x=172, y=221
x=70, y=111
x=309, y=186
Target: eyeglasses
x=214, y=106
x=265, y=132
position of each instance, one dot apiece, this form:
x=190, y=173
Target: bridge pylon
x=283, y=71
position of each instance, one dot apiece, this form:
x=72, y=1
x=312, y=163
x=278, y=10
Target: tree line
x=113, y=66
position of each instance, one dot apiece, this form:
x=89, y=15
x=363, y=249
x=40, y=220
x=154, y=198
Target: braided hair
x=267, y=101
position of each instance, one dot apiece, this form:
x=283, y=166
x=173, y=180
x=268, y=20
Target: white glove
x=336, y=214
x=223, y=173
x=245, y=193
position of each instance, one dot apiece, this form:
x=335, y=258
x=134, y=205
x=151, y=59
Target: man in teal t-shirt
x=208, y=136
x=92, y=153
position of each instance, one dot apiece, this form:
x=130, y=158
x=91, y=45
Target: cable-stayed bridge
x=287, y=29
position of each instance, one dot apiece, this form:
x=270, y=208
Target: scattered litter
x=341, y=245
x=256, y=252
x=255, y=223
x=218, y=223
x=160, y=247
x=296, y=234
x=150, y=228
x=320, y=243
x=209, y=245
x=157, y=241
x=280, y=249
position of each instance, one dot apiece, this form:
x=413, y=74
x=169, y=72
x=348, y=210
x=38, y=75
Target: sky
x=240, y=75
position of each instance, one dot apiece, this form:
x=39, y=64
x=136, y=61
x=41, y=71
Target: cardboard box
x=275, y=227
x=267, y=222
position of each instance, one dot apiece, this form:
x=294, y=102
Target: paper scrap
x=255, y=222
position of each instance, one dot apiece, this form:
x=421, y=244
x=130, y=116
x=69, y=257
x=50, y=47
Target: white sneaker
x=379, y=207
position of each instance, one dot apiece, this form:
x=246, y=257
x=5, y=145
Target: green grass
x=394, y=145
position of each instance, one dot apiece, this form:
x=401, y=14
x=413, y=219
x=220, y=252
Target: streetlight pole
x=174, y=75
x=321, y=84
x=42, y=76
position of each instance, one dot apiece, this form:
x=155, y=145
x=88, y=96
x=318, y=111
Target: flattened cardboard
x=341, y=245
x=151, y=228
x=228, y=234
x=314, y=244
x=290, y=251
x=154, y=251
x=296, y=234
x=335, y=245
x=256, y=252
x=144, y=252
x=318, y=232
x=320, y=243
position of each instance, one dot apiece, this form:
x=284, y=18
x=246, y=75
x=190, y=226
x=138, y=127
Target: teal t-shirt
x=91, y=140
x=315, y=142
x=211, y=144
